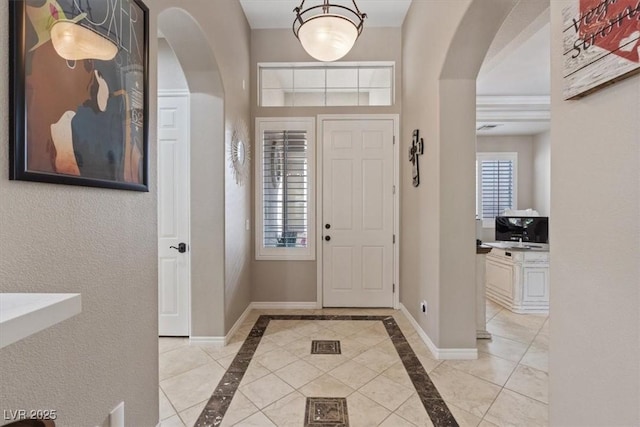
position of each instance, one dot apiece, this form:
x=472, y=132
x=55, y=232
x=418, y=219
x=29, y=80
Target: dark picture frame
x=79, y=121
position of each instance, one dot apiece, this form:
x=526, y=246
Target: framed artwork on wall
x=601, y=44
x=79, y=92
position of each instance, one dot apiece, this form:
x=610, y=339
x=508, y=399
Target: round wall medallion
x=240, y=152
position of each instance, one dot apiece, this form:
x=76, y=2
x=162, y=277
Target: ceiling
x=514, y=81
x=263, y=14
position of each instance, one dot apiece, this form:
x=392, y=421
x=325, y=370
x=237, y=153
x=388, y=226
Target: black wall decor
x=416, y=149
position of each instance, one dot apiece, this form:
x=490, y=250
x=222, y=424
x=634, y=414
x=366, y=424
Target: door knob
x=327, y=226
x=182, y=247
x=327, y=238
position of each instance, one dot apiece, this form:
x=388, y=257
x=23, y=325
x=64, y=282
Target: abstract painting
x=79, y=98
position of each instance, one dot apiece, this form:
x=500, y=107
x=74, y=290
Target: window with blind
x=284, y=196
x=496, y=185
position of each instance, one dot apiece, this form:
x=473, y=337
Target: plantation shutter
x=497, y=183
x=285, y=189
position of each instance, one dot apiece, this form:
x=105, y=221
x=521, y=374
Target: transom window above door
x=326, y=85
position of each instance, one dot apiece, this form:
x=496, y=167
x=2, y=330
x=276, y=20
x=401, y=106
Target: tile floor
x=506, y=386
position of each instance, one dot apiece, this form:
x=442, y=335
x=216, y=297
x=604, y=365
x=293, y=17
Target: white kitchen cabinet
x=518, y=279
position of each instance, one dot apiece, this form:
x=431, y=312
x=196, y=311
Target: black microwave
x=533, y=229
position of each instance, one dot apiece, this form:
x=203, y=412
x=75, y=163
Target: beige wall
x=542, y=173
x=102, y=244
x=295, y=281
x=443, y=46
x=217, y=72
x=594, y=367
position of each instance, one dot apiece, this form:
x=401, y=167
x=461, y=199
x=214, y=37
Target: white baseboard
x=440, y=353
x=207, y=340
x=238, y=323
x=284, y=305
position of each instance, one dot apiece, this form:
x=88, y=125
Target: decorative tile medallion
x=326, y=412
x=217, y=406
x=325, y=347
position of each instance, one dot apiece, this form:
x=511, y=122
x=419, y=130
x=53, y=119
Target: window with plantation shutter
x=285, y=189
x=496, y=185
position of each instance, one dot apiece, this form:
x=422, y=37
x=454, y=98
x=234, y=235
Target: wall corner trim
x=440, y=353
x=283, y=305
x=238, y=323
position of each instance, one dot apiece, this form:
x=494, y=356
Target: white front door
x=173, y=215
x=357, y=217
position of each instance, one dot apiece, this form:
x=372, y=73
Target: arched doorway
x=206, y=170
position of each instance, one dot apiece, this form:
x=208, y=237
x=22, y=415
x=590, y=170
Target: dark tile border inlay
x=219, y=402
x=325, y=347
x=326, y=412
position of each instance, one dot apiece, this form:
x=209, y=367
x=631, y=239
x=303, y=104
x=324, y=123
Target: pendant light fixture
x=328, y=31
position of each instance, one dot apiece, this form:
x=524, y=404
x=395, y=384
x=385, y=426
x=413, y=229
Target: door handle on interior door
x=182, y=247
x=327, y=238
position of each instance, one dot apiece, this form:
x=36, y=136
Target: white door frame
x=396, y=197
x=187, y=94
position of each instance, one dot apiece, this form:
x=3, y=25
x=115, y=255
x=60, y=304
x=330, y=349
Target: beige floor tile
x=283, y=338
x=387, y=347
x=353, y=374
x=503, y=347
x=174, y=421
x=298, y=373
x=413, y=410
x=467, y=392
x=288, y=411
x=256, y=420
x=166, y=409
x=536, y=357
x=275, y=359
x=364, y=412
x=254, y=372
x=326, y=362
x=265, y=347
x=351, y=348
x=326, y=386
x=376, y=360
x=190, y=416
x=395, y=421
x=428, y=363
x=192, y=387
x=300, y=348
x=529, y=321
x=218, y=351
x=530, y=382
x=398, y=374
x=225, y=362
x=266, y=390
x=513, y=331
x=464, y=418
x=170, y=343
x=181, y=360
x=513, y=409
x=485, y=423
x=487, y=367
x=386, y=392
x=239, y=409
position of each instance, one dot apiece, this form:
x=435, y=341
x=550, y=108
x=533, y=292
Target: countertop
x=519, y=247
x=25, y=314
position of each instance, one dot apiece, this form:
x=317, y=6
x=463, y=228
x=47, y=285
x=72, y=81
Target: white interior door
x=357, y=222
x=173, y=215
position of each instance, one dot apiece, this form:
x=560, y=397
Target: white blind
x=497, y=187
x=285, y=189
